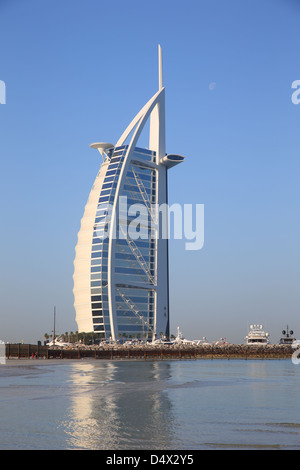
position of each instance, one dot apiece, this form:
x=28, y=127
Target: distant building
x=121, y=285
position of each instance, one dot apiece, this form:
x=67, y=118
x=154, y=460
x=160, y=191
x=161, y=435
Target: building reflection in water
x=120, y=405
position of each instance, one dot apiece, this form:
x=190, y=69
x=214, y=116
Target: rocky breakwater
x=170, y=351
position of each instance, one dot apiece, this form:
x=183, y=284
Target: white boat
x=287, y=337
x=204, y=342
x=160, y=341
x=257, y=336
x=58, y=342
x=221, y=342
x=180, y=339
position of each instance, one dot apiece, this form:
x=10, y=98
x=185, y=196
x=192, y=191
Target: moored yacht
x=287, y=337
x=257, y=336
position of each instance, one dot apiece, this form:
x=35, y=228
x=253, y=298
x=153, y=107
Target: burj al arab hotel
x=121, y=282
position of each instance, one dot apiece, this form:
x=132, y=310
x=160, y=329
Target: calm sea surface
x=136, y=405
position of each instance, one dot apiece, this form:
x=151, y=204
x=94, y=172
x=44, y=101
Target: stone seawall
x=157, y=352
x=175, y=352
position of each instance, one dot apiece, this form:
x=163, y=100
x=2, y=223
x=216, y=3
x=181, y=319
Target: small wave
x=286, y=425
x=201, y=383
x=268, y=431
x=247, y=446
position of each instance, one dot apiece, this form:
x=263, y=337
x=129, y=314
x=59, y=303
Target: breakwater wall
x=150, y=353
x=165, y=353
x=25, y=351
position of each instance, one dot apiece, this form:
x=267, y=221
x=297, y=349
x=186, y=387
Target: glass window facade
x=133, y=259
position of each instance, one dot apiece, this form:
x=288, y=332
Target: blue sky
x=77, y=72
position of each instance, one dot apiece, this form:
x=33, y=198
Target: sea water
x=144, y=405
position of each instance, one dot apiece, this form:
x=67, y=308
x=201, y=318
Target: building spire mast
x=160, y=69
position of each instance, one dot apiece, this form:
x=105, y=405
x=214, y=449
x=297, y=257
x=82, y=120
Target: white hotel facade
x=121, y=283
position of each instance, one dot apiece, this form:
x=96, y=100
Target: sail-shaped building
x=121, y=285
